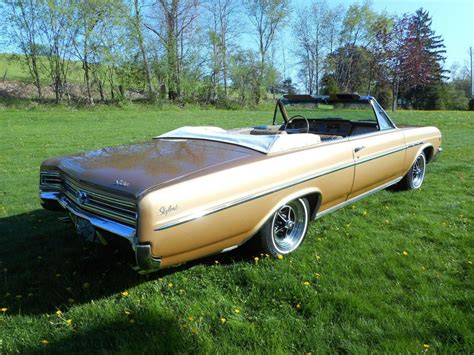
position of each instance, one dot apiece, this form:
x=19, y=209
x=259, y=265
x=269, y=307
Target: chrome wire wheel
x=418, y=171
x=288, y=226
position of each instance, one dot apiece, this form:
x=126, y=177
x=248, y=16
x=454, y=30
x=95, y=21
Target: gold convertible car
x=197, y=191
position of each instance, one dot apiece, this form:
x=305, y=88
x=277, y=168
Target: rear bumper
x=146, y=262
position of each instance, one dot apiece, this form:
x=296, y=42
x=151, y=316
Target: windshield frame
x=379, y=112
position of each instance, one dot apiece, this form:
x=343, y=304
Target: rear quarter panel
x=261, y=187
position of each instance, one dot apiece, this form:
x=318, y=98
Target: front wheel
x=286, y=228
x=415, y=176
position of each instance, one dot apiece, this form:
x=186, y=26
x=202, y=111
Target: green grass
x=363, y=295
x=13, y=67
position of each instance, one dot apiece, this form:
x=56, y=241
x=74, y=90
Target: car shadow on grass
x=154, y=331
x=45, y=266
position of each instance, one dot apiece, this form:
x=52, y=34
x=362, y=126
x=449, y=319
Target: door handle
x=358, y=149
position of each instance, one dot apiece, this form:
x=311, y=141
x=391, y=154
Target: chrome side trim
x=145, y=260
x=119, y=229
x=239, y=201
x=415, y=144
x=357, y=198
x=380, y=155
x=242, y=200
x=229, y=248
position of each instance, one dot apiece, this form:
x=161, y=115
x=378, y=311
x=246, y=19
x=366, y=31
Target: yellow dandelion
x=69, y=322
x=280, y=257
x=124, y=294
x=318, y=257
x=267, y=256
x=237, y=310
x=317, y=275
x=256, y=259
x=4, y=309
x=386, y=221
x=298, y=306
x=426, y=346
x=364, y=213
x=404, y=253
x=58, y=312
x=160, y=279
x=223, y=320
x=86, y=285
x=306, y=283
x=353, y=207
x=469, y=262
x=190, y=318
x=132, y=321
x=423, y=268
x=216, y=262
x=170, y=285
x=44, y=342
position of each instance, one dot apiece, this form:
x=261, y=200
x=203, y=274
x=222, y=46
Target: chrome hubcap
x=289, y=226
x=418, y=171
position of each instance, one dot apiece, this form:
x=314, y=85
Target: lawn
x=391, y=273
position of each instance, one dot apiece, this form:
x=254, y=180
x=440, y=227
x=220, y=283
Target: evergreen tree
x=422, y=57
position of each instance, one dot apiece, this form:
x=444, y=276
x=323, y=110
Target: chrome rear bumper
x=146, y=262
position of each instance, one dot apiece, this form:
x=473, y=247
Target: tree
x=266, y=16
x=314, y=31
x=24, y=18
x=174, y=21
x=137, y=24
x=88, y=16
x=421, y=59
x=224, y=26
x=244, y=70
x=55, y=29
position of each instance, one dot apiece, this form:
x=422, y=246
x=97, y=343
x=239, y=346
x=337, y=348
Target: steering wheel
x=296, y=130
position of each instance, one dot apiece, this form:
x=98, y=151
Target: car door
x=379, y=157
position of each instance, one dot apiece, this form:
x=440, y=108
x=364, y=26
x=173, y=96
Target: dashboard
x=336, y=127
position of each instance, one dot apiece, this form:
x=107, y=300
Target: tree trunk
x=34, y=65
x=141, y=43
x=394, y=93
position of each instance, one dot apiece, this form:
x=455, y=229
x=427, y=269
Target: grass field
x=13, y=68
x=392, y=273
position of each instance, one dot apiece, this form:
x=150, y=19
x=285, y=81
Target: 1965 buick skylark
x=196, y=191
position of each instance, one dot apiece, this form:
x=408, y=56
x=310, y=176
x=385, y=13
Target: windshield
x=351, y=110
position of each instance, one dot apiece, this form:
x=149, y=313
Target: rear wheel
x=286, y=228
x=415, y=176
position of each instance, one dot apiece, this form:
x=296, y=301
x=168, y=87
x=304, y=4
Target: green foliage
x=471, y=104
x=364, y=295
x=329, y=85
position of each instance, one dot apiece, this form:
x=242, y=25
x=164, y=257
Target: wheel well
x=314, y=200
x=428, y=151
